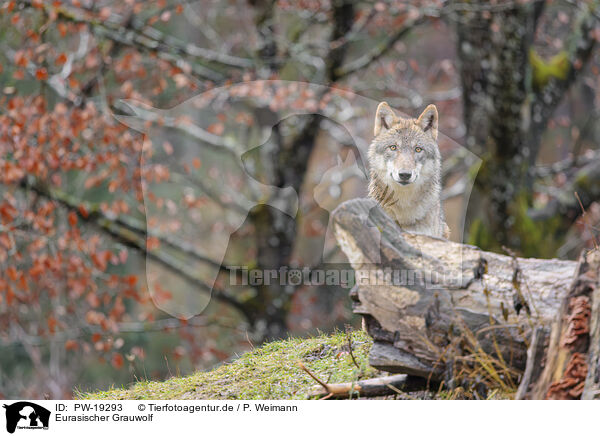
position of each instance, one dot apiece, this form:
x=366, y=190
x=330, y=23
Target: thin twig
x=349, y=336
x=585, y=221
x=518, y=274
x=314, y=377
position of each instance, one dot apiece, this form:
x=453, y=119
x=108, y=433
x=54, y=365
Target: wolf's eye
x=418, y=149
x=393, y=147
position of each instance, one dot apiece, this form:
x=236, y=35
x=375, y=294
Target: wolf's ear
x=384, y=118
x=428, y=120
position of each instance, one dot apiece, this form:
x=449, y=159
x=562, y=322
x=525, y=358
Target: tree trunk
x=570, y=361
x=275, y=234
x=508, y=100
x=493, y=50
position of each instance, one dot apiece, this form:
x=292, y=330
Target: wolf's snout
x=404, y=177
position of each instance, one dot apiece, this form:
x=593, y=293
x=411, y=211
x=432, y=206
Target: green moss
x=479, y=235
x=557, y=67
x=536, y=238
x=268, y=372
x=582, y=180
x=540, y=238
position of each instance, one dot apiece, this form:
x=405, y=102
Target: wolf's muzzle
x=403, y=177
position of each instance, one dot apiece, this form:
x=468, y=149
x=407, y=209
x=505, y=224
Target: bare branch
x=122, y=328
x=190, y=129
x=585, y=181
x=169, y=48
x=566, y=164
x=136, y=239
x=379, y=50
x=548, y=97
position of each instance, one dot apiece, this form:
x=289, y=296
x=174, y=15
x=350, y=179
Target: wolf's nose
x=404, y=177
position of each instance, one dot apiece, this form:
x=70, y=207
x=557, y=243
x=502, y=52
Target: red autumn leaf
x=123, y=256
x=178, y=352
x=83, y=211
x=93, y=300
x=104, y=13
x=71, y=345
x=36, y=270
x=99, y=261
x=62, y=29
x=61, y=59
x=216, y=128
x=72, y=219
x=117, y=360
x=197, y=163
x=10, y=295
x=152, y=243
x=161, y=294
x=20, y=58
x=32, y=35
x=23, y=283
x=52, y=323
x=96, y=337
x=168, y=148
x=41, y=74
x=11, y=271
x=5, y=241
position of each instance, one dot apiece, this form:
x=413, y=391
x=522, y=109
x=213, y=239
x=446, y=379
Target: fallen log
x=444, y=310
x=374, y=387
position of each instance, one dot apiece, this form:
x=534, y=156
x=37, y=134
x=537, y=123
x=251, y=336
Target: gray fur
x=406, y=181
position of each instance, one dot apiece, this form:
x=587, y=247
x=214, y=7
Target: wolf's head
x=404, y=151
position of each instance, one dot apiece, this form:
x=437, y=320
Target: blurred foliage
x=85, y=272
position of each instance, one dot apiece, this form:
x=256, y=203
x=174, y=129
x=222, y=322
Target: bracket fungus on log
x=570, y=363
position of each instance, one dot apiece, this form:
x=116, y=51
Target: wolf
x=405, y=168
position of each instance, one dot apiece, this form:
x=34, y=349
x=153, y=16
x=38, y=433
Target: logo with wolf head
x=26, y=415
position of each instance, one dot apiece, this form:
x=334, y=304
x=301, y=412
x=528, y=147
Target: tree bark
x=570, y=363
x=506, y=111
x=493, y=50
x=275, y=235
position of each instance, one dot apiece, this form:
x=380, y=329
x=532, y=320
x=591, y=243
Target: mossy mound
x=268, y=372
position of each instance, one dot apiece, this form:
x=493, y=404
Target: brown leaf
x=117, y=360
